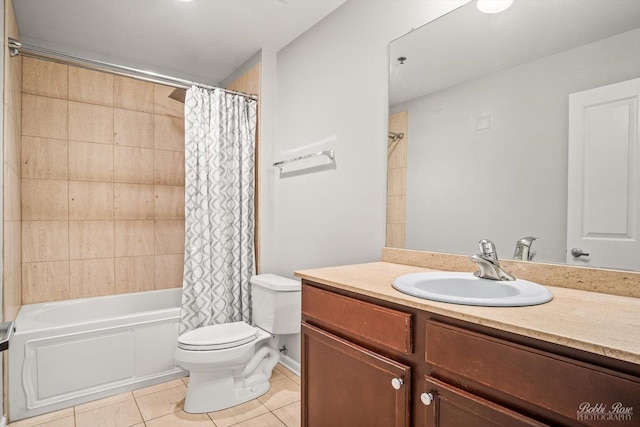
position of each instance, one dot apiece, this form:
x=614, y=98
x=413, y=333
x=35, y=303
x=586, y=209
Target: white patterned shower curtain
x=219, y=256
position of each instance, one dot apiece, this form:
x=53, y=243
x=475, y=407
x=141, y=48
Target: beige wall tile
x=132, y=94
x=168, y=168
x=133, y=165
x=12, y=138
x=12, y=245
x=169, y=202
x=395, y=235
x=90, y=161
x=168, y=133
x=11, y=195
x=44, y=78
x=133, y=128
x=134, y=238
x=90, y=123
x=397, y=182
x=397, y=154
x=45, y=241
x=169, y=237
x=133, y=201
x=44, y=117
x=45, y=200
x=396, y=209
x=44, y=158
x=93, y=87
x=90, y=200
x=91, y=277
x=12, y=298
x=165, y=105
x=169, y=271
x=45, y=281
x=91, y=239
x=135, y=274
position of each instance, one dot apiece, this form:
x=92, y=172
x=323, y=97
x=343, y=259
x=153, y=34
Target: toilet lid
x=216, y=337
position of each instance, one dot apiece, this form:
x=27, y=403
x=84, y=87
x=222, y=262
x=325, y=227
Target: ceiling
x=201, y=40
x=439, y=56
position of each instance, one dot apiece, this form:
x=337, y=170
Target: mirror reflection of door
x=603, y=218
x=397, y=179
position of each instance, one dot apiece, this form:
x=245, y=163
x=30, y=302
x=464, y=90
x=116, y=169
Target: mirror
x=485, y=99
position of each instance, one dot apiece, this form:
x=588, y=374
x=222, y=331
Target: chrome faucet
x=488, y=262
x=523, y=249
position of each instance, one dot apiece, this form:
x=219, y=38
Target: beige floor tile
x=156, y=388
x=185, y=380
x=162, y=403
x=282, y=393
x=290, y=414
x=104, y=402
x=180, y=419
x=276, y=375
x=289, y=373
x=47, y=419
x=266, y=420
x=236, y=414
x=121, y=414
x=62, y=422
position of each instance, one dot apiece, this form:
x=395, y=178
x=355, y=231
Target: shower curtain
x=219, y=208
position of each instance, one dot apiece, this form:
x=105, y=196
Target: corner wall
x=332, y=82
x=332, y=85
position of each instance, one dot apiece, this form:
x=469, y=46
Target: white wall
x=332, y=85
x=509, y=181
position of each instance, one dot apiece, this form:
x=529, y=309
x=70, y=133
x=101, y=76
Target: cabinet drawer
x=357, y=319
x=567, y=388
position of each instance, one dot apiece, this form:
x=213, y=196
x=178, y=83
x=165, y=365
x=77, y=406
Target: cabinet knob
x=397, y=383
x=426, y=398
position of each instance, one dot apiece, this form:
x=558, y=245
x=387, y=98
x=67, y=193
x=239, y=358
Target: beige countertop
x=604, y=324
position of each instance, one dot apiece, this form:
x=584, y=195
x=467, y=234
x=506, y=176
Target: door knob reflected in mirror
x=577, y=252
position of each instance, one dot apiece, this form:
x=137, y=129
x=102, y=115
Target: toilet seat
x=217, y=337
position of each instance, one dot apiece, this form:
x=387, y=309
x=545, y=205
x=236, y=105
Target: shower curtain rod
x=17, y=48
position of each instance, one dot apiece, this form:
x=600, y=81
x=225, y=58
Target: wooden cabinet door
x=452, y=407
x=344, y=385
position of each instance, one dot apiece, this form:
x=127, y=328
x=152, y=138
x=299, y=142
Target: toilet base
x=214, y=391
x=214, y=387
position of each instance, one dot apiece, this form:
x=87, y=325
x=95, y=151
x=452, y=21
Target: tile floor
x=161, y=406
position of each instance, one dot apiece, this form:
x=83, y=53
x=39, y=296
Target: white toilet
x=231, y=363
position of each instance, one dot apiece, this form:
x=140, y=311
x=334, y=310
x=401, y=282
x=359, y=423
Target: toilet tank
x=276, y=303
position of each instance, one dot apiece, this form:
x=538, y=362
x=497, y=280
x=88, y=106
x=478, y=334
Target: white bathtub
x=70, y=352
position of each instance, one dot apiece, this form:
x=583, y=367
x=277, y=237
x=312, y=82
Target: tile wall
x=102, y=171
x=397, y=181
x=12, y=224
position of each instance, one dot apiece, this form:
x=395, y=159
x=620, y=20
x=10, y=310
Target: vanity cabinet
x=369, y=362
x=448, y=406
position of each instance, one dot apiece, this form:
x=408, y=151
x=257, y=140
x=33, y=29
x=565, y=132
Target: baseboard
x=290, y=364
x=3, y=421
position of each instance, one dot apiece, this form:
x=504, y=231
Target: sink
x=467, y=289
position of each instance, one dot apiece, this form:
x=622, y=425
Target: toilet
x=231, y=363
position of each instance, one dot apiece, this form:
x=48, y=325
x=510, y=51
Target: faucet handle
x=488, y=248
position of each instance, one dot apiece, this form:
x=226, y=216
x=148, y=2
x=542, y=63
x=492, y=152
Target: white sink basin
x=467, y=289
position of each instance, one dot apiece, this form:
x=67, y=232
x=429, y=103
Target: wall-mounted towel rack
x=329, y=153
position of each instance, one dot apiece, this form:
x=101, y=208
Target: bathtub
x=70, y=352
